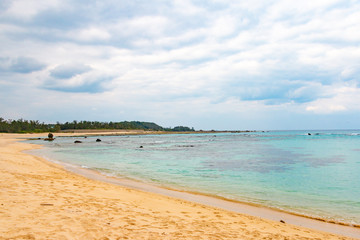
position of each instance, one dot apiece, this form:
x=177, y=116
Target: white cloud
x=10, y=29
x=89, y=34
x=223, y=26
x=344, y=98
x=69, y=70
x=149, y=26
x=186, y=7
x=26, y=9
x=228, y=57
x=325, y=107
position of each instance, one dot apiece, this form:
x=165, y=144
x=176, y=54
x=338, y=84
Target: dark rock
x=282, y=221
x=141, y=147
x=50, y=137
x=77, y=141
x=34, y=139
x=309, y=134
x=98, y=140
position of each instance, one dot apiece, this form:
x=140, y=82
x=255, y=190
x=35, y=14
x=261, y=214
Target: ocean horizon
x=308, y=172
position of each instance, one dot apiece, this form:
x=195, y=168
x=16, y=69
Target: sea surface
x=315, y=175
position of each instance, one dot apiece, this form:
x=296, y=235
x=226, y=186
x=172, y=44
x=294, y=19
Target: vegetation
x=110, y=125
x=180, y=129
x=25, y=126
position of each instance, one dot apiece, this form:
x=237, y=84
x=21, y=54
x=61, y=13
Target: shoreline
x=252, y=209
x=124, y=180
x=194, y=198
x=272, y=213
x=220, y=202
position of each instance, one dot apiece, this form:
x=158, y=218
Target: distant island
x=35, y=126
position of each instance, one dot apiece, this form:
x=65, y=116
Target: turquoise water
x=316, y=175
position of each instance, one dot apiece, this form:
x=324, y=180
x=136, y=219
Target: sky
x=215, y=64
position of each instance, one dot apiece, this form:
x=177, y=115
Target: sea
x=311, y=173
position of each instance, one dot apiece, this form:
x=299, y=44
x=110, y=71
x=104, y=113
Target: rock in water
x=98, y=140
x=77, y=141
x=50, y=137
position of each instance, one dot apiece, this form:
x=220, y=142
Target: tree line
x=35, y=126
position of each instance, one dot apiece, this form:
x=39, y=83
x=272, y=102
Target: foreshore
x=42, y=200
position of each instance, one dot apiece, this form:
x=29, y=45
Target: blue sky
x=214, y=64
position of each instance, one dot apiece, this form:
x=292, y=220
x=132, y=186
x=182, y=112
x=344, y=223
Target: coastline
x=222, y=203
x=224, y=209
x=208, y=199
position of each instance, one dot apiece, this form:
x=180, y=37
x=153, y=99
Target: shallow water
x=316, y=175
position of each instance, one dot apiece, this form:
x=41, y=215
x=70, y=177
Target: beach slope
x=41, y=200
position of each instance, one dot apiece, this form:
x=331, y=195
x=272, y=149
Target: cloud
x=20, y=65
x=69, y=70
x=76, y=78
x=83, y=87
x=325, y=107
x=225, y=56
x=340, y=99
x=187, y=8
x=26, y=9
x=89, y=34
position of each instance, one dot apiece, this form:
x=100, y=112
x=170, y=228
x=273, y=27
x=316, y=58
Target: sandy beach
x=42, y=200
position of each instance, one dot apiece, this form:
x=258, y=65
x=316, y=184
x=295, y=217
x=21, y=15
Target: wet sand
x=43, y=200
